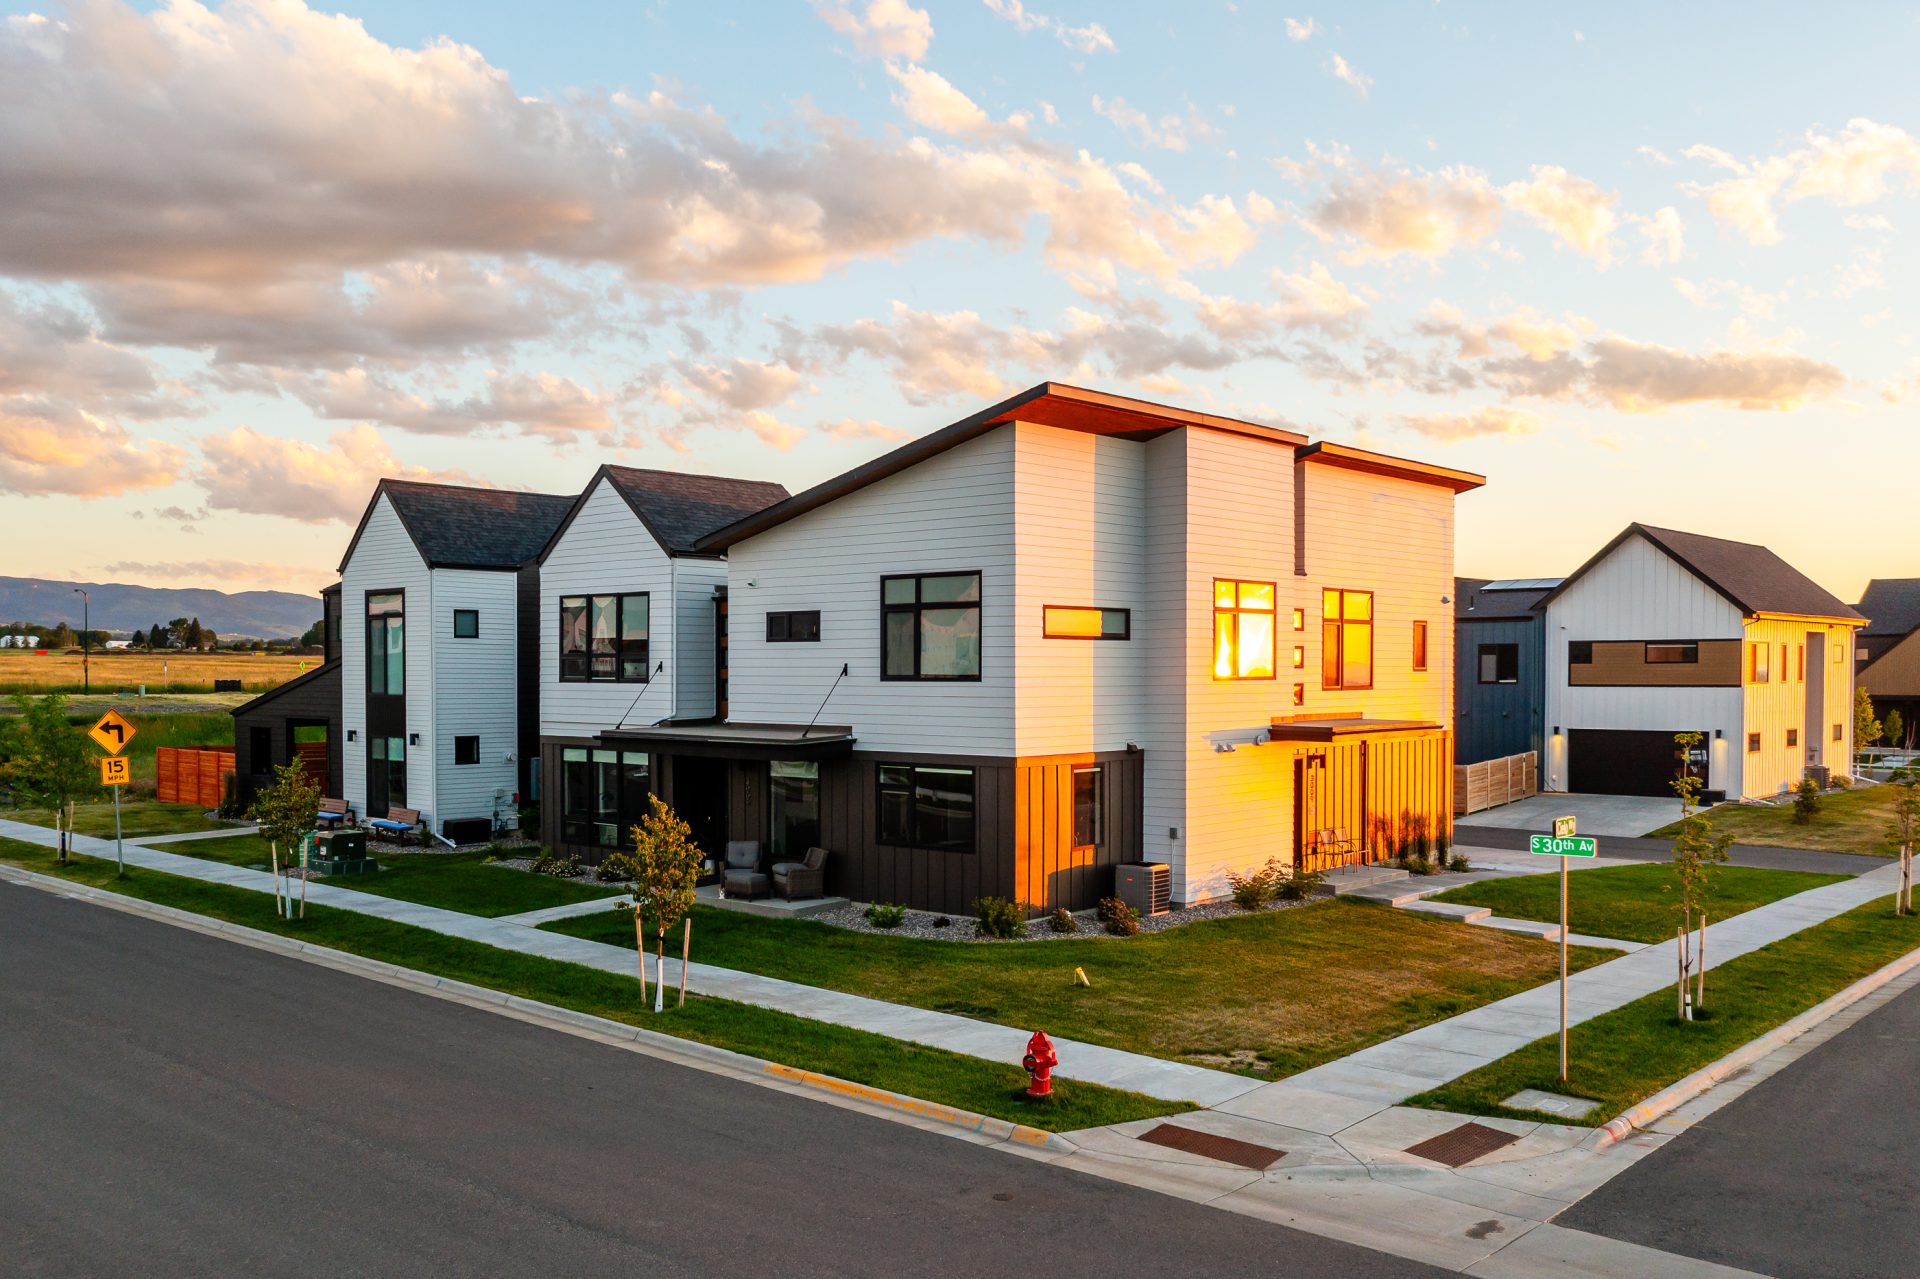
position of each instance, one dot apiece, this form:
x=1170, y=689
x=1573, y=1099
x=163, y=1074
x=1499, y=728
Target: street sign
x=112, y=731
x=1563, y=827
x=115, y=770
x=1555, y=846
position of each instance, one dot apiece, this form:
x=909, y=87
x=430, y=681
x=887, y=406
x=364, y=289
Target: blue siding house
x=1499, y=678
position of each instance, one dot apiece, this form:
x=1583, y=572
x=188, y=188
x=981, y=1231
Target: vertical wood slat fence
x=190, y=775
x=1494, y=782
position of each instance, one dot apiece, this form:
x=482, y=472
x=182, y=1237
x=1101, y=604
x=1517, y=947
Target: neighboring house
x=1888, y=647
x=1069, y=631
x=300, y=719
x=1499, y=681
x=630, y=634
x=1663, y=632
x=438, y=625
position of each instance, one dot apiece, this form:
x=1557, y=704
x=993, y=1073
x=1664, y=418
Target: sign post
x=1563, y=843
x=113, y=732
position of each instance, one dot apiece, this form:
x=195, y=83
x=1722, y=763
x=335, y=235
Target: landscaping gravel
x=920, y=923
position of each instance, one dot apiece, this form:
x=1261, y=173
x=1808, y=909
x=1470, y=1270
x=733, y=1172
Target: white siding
x=694, y=582
x=474, y=685
x=385, y=559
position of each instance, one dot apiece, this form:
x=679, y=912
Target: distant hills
x=117, y=606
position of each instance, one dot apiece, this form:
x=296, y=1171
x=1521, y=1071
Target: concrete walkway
x=181, y=837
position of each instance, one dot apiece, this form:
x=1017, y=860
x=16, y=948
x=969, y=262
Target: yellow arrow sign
x=112, y=731
x=115, y=770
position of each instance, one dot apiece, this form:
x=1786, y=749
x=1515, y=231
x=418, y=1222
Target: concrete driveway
x=1621, y=815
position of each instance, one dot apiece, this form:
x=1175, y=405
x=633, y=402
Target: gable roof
x=1891, y=605
x=1478, y=599
x=677, y=508
x=1751, y=578
x=455, y=526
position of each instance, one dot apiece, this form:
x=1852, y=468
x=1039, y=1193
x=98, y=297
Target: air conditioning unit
x=1145, y=886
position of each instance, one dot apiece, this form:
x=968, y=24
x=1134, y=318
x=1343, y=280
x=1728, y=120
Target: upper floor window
x=1059, y=621
x=1244, y=622
x=930, y=626
x=1346, y=639
x=387, y=643
x=1580, y=652
x=1499, y=663
x=1757, y=662
x=794, y=628
x=466, y=623
x=1672, y=652
x=1419, y=646
x=604, y=637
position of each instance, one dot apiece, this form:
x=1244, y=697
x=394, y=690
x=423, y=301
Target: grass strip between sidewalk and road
x=1622, y=1057
x=1855, y=821
x=931, y=1074
x=1633, y=903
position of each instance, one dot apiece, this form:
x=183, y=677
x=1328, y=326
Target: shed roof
x=1891, y=605
x=1750, y=577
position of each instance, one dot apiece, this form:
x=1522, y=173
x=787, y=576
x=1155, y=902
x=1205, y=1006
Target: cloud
x=1641, y=377
x=1665, y=235
x=48, y=448
x=1525, y=330
x=244, y=470
x=1857, y=166
x=1572, y=208
x=742, y=384
x=737, y=395
x=1384, y=213
x=932, y=356
x=1473, y=424
x=1169, y=132
x=1868, y=222
x=1751, y=302
x=536, y=404
x=850, y=428
x=1860, y=275
x=929, y=99
x=1298, y=30
x=1744, y=201
x=1311, y=300
x=1092, y=38
x=882, y=29
x=225, y=574
x=1342, y=70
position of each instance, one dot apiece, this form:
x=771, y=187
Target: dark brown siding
x=1623, y=664
x=316, y=700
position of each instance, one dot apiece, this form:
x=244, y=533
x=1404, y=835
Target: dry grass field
x=24, y=671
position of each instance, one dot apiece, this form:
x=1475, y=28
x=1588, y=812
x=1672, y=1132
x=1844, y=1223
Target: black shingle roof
x=457, y=527
x=1891, y=605
x=1751, y=578
x=1473, y=602
x=680, y=509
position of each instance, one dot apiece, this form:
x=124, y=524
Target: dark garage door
x=1619, y=761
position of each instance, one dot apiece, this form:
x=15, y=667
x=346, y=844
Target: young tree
x=1895, y=730
x=1906, y=829
x=1866, y=728
x=669, y=865
x=1697, y=852
x=48, y=761
x=286, y=812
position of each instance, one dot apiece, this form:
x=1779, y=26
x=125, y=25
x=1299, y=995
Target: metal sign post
x=1563, y=844
x=113, y=732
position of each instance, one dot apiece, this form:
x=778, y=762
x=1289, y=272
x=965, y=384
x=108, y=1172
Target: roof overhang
x=1352, y=459
x=737, y=741
x=1332, y=729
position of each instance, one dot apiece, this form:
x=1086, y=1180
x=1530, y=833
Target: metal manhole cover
x=1463, y=1145
x=1226, y=1149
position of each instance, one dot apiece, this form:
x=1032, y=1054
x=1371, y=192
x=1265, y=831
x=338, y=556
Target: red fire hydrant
x=1040, y=1061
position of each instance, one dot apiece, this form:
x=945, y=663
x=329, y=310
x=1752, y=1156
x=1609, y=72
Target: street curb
x=1675, y=1095
x=688, y=1052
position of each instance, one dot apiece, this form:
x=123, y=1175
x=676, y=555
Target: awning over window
x=736, y=741
x=1332, y=729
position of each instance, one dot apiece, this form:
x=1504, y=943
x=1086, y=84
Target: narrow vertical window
x=1089, y=806
x=1419, y=646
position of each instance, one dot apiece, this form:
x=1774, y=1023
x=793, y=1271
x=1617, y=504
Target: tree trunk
x=686, y=948
x=640, y=949
x=1700, y=978
x=1680, y=996
x=273, y=858
x=1905, y=906
x=660, y=970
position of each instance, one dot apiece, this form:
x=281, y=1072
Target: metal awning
x=737, y=741
x=1331, y=729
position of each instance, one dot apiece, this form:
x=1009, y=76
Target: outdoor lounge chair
x=805, y=878
x=398, y=821
x=742, y=876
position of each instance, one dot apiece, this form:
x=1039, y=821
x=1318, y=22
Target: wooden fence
x=191, y=775
x=1494, y=782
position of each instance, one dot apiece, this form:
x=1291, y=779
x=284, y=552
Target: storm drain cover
x=1463, y=1145
x=1226, y=1149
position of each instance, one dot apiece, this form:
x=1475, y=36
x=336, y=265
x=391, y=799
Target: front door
x=700, y=798
x=1309, y=805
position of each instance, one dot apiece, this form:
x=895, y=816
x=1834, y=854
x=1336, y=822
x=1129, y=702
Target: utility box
x=1145, y=886
x=342, y=852
x=465, y=831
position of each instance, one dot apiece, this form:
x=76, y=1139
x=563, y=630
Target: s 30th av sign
x=1555, y=846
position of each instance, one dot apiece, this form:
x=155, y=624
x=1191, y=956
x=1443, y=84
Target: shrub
x=942, y=922
x=1299, y=884
x=423, y=837
x=998, y=917
x=1252, y=891
x=1459, y=864
x=617, y=868
x=1062, y=921
x=547, y=863
x=1806, y=802
x=230, y=806
x=1120, y=919
x=886, y=915
x=1416, y=864
x=497, y=852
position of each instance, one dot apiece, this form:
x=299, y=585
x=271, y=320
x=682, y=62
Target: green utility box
x=342, y=852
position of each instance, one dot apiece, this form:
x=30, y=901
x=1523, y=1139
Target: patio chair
x=398, y=821
x=805, y=878
x=742, y=876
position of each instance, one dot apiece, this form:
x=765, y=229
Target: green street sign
x=1555, y=846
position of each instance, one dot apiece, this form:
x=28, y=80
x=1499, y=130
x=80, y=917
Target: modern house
x=1500, y=664
x=438, y=609
x=300, y=719
x=633, y=632
x=1664, y=632
x=1888, y=647
x=1069, y=631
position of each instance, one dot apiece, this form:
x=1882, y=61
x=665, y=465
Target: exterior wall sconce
x=352, y=733
x=1719, y=733
x=1556, y=730
x=1223, y=748
x=413, y=739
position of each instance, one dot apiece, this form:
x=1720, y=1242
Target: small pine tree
x=1806, y=802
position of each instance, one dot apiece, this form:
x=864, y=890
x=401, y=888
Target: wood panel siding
x=1623, y=664
x=1383, y=791
x=1492, y=782
x=1048, y=871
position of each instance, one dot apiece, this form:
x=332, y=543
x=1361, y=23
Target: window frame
x=471, y=613
x=627, y=809
x=1793, y=737
x=918, y=608
x=369, y=617
x=1047, y=632
x=458, y=741
x=1419, y=644
x=1480, y=663
x=882, y=788
x=1758, y=654
x=584, y=673
x=787, y=618
x=1098, y=773
x=1753, y=743
x=1579, y=652
x=1333, y=640
x=1236, y=612
x=1688, y=653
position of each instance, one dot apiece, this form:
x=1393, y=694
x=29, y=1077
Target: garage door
x=1617, y=761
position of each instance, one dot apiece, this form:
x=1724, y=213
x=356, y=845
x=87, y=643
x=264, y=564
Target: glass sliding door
x=793, y=788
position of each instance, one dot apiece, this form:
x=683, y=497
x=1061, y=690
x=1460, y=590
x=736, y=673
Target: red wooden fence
x=191, y=775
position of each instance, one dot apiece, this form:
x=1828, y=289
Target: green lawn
x=1266, y=994
x=1632, y=903
x=928, y=1073
x=138, y=817
x=1622, y=1057
x=1855, y=821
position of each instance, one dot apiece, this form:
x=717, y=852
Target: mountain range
x=119, y=606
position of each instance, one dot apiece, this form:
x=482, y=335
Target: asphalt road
x=174, y=1104
x=1615, y=847
x=1815, y=1172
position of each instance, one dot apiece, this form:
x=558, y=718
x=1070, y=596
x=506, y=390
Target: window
x=930, y=627
x=387, y=644
x=1346, y=639
x=1089, y=806
x=260, y=750
x=1580, y=652
x=1784, y=668
x=1800, y=663
x=1793, y=737
x=1836, y=732
x=1499, y=663
x=1299, y=619
x=1299, y=694
x=793, y=789
x=602, y=794
x=387, y=780
x=604, y=637
x=926, y=807
x=1243, y=626
x=466, y=623
x=1419, y=646
x=1668, y=653
x=794, y=628
x=1299, y=657
x=1757, y=663
x=466, y=750
x=1753, y=742
x=1059, y=621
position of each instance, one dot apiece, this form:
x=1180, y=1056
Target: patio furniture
x=742, y=876
x=398, y=821
x=804, y=878
x=334, y=812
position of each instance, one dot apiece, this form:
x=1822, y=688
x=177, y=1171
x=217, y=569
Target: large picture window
x=930, y=627
x=387, y=644
x=923, y=806
x=1243, y=629
x=604, y=637
x=603, y=794
x=1346, y=639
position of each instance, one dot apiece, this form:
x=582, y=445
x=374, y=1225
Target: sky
x=1629, y=261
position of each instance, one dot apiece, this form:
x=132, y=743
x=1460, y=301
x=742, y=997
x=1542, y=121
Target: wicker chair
x=742, y=876
x=805, y=878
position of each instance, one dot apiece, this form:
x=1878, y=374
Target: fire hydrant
x=1039, y=1062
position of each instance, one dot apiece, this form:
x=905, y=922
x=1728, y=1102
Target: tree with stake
x=669, y=866
x=1696, y=852
x=1906, y=828
x=287, y=811
x=48, y=761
